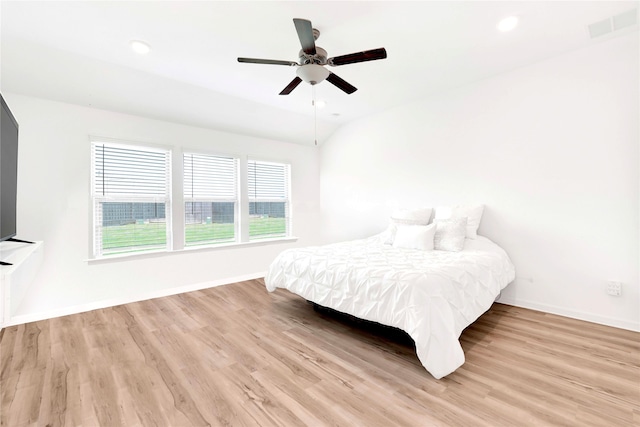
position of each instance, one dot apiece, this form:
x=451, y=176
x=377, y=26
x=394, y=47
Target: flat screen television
x=8, y=172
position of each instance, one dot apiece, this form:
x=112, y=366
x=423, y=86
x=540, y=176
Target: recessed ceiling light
x=508, y=23
x=320, y=103
x=139, y=47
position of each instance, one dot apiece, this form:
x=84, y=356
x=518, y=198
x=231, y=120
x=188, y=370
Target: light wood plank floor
x=236, y=355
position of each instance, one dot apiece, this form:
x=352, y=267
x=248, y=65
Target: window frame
x=193, y=199
x=97, y=200
x=286, y=187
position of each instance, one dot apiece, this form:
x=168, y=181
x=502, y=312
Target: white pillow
x=389, y=234
x=450, y=234
x=472, y=212
x=414, y=237
x=419, y=216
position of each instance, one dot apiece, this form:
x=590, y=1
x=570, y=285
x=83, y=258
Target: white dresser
x=15, y=279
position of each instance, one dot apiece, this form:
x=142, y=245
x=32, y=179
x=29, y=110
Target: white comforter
x=431, y=295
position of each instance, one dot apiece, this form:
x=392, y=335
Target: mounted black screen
x=8, y=172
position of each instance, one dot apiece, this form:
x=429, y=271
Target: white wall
x=54, y=206
x=551, y=149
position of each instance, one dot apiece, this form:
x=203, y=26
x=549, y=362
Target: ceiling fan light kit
x=312, y=60
x=312, y=73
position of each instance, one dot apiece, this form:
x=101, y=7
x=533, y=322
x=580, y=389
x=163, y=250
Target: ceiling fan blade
x=267, y=61
x=367, y=55
x=291, y=86
x=305, y=34
x=341, y=84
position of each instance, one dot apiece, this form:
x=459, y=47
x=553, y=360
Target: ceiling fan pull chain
x=315, y=114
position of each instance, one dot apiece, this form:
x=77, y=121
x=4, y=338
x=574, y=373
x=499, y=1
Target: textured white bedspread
x=431, y=295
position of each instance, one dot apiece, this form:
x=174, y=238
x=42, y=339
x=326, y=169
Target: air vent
x=614, y=23
x=624, y=20
x=600, y=28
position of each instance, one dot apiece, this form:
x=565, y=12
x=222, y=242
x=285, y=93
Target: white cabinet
x=15, y=279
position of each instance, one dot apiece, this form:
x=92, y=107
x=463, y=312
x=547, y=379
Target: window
x=222, y=198
x=211, y=199
x=268, y=185
x=131, y=198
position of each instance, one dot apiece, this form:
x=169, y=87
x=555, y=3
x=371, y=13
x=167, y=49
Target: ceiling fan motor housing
x=319, y=58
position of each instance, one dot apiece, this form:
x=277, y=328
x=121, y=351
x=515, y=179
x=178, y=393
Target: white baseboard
x=561, y=311
x=580, y=315
x=34, y=317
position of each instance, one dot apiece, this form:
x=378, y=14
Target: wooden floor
x=236, y=355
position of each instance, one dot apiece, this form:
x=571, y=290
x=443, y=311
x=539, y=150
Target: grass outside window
x=153, y=234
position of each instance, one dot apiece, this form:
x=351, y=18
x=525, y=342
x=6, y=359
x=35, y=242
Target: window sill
x=207, y=248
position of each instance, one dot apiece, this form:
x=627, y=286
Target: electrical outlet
x=614, y=288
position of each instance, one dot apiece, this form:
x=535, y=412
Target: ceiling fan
x=312, y=60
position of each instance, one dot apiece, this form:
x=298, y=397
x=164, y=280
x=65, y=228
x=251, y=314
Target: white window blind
x=268, y=186
x=211, y=198
x=131, y=193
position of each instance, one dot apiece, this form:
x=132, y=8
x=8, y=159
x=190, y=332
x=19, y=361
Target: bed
x=432, y=295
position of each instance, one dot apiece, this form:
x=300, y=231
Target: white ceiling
x=78, y=52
